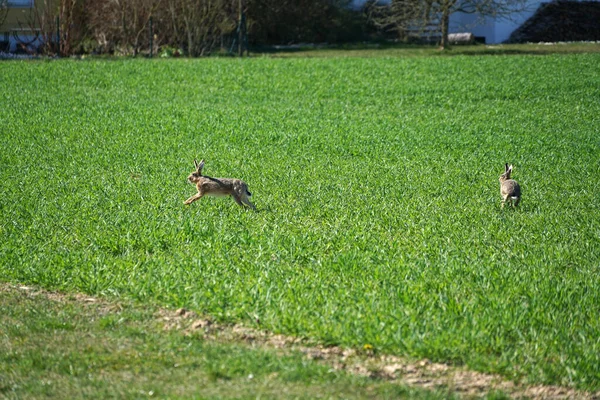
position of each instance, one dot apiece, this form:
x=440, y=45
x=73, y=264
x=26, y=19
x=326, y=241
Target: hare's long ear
x=506, y=167
x=510, y=167
x=196, y=164
x=199, y=166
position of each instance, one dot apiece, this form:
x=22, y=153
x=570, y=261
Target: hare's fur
x=509, y=188
x=218, y=187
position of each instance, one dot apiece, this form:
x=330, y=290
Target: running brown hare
x=218, y=187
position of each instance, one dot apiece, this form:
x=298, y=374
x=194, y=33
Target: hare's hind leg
x=244, y=193
x=237, y=198
x=242, y=199
x=516, y=201
x=246, y=201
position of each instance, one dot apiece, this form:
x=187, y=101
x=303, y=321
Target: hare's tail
x=248, y=192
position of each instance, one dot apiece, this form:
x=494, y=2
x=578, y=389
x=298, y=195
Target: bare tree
x=54, y=27
x=141, y=15
x=403, y=16
x=498, y=9
x=122, y=23
x=67, y=30
x=194, y=25
x=39, y=20
x=398, y=17
x=200, y=24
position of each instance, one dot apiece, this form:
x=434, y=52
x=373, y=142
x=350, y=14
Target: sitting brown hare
x=509, y=188
x=218, y=187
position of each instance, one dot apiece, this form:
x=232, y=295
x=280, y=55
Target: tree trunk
x=190, y=37
x=445, y=22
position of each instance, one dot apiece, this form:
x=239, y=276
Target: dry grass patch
x=365, y=362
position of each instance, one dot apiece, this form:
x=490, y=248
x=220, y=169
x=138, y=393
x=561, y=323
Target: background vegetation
x=190, y=27
x=379, y=215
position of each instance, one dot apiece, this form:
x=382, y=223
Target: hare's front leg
x=192, y=199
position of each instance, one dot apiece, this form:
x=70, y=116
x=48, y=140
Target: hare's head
x=197, y=174
x=506, y=175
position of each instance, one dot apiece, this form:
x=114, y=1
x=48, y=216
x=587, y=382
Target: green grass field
x=68, y=349
x=376, y=183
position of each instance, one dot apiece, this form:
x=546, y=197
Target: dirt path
x=365, y=362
